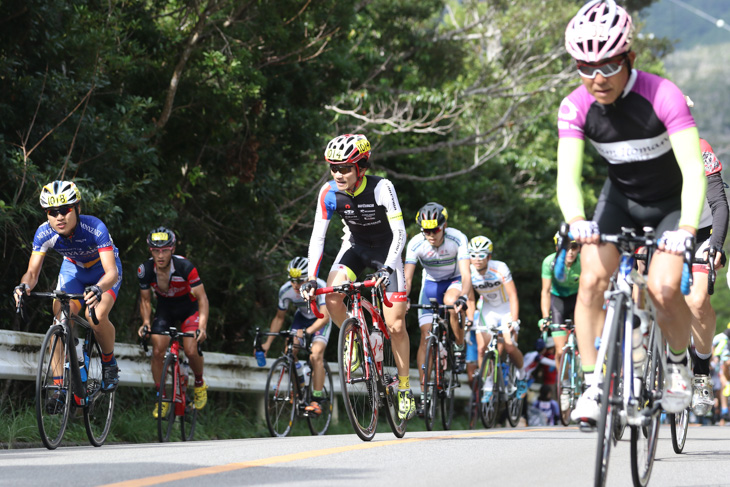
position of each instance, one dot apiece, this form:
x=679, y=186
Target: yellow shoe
x=165, y=409
x=201, y=396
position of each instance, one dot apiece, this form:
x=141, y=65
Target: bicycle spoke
x=357, y=382
x=99, y=409
x=53, y=385
x=280, y=398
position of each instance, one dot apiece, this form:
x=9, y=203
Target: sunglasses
x=480, y=255
x=574, y=246
x=160, y=250
x=61, y=210
x=431, y=231
x=607, y=69
x=341, y=169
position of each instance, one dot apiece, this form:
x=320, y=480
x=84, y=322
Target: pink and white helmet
x=600, y=30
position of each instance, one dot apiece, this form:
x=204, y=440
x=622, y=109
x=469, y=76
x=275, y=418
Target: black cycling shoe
x=56, y=402
x=109, y=377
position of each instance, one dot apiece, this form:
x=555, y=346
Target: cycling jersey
x=82, y=248
x=288, y=296
x=490, y=285
x=569, y=286
x=632, y=136
x=439, y=263
x=372, y=217
x=183, y=277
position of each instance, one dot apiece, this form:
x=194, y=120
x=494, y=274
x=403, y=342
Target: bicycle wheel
x=644, y=438
x=475, y=404
x=678, y=424
x=566, y=394
x=430, y=385
x=318, y=424
x=99, y=407
x=53, y=387
x=450, y=381
x=389, y=384
x=514, y=403
x=166, y=398
x=190, y=415
x=357, y=380
x=607, y=416
x=489, y=399
x=280, y=398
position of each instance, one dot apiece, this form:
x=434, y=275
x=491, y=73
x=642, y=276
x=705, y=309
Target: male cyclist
x=181, y=299
x=498, y=306
x=557, y=298
x=304, y=322
x=374, y=237
x=90, y=261
x=641, y=127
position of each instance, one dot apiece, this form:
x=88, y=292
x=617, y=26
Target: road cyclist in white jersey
x=442, y=252
x=375, y=236
x=498, y=306
x=303, y=322
x=643, y=131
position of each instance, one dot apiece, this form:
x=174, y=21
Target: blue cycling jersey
x=82, y=248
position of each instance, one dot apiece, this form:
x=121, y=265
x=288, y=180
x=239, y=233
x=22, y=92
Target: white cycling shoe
x=587, y=407
x=702, y=396
x=677, y=388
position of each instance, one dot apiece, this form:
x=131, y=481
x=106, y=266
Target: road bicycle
x=70, y=375
x=368, y=374
x=440, y=376
x=630, y=395
x=499, y=372
x=285, y=397
x=570, y=373
x=173, y=400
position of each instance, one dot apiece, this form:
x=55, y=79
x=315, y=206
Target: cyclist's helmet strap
x=431, y=215
x=161, y=238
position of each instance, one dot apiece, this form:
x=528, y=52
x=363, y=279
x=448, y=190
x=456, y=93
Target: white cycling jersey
x=490, y=285
x=439, y=263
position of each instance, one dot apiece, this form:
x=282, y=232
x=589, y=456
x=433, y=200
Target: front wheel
x=450, y=381
x=389, y=391
x=318, y=424
x=280, y=398
x=430, y=379
x=99, y=407
x=357, y=380
x=490, y=391
x=166, y=399
x=53, y=387
x=566, y=385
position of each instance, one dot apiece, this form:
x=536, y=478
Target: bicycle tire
x=430, y=382
x=450, y=380
x=475, y=402
x=610, y=384
x=359, y=391
x=166, y=395
x=490, y=408
x=190, y=415
x=678, y=425
x=644, y=438
x=51, y=420
x=514, y=403
x=566, y=377
x=280, y=398
x=99, y=409
x=389, y=391
x=318, y=424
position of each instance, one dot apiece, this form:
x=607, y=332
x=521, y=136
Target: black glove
x=96, y=290
x=385, y=273
x=460, y=301
x=22, y=287
x=309, y=287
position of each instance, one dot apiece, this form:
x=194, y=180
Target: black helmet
x=431, y=215
x=161, y=238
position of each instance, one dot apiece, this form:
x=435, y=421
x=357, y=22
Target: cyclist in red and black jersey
x=181, y=299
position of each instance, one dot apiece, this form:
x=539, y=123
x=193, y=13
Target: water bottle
x=260, y=357
x=300, y=375
x=376, y=342
x=80, y=358
x=307, y=373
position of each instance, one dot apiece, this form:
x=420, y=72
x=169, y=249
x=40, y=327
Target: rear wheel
x=489, y=395
x=390, y=387
x=475, y=404
x=359, y=390
x=514, y=403
x=566, y=386
x=430, y=389
x=190, y=416
x=99, y=407
x=280, y=398
x=318, y=424
x=166, y=399
x=450, y=382
x=679, y=423
x=53, y=387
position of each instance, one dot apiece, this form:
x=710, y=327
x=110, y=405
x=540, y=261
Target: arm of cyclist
x=465, y=271
x=145, y=310
x=30, y=278
x=389, y=200
x=570, y=196
x=514, y=302
x=717, y=200
x=203, y=311
x=409, y=271
x=107, y=281
x=274, y=327
x=545, y=298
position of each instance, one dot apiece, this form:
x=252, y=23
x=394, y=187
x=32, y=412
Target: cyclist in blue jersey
x=442, y=251
x=90, y=266
x=642, y=129
x=374, y=238
x=304, y=321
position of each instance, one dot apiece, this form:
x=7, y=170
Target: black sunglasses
x=61, y=210
x=341, y=169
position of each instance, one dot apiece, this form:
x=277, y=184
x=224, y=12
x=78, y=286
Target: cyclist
x=304, y=322
x=90, y=261
x=498, y=306
x=374, y=237
x=181, y=299
x=721, y=350
x=442, y=251
x=641, y=127
x=557, y=299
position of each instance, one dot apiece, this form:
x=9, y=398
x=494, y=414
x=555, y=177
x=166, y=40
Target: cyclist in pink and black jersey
x=90, y=261
x=641, y=127
x=374, y=238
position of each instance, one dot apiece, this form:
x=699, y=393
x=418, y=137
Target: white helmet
x=480, y=244
x=600, y=30
x=60, y=193
x=297, y=268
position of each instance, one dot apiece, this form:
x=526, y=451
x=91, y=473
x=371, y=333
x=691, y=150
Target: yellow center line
x=200, y=472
